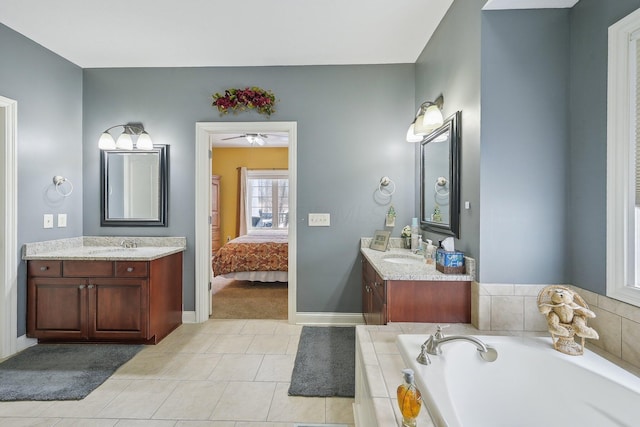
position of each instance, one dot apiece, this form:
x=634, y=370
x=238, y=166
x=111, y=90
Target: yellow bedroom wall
x=225, y=162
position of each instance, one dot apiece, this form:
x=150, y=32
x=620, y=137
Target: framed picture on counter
x=380, y=240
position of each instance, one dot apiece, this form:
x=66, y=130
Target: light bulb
x=106, y=142
x=411, y=135
x=124, y=142
x=432, y=117
x=144, y=142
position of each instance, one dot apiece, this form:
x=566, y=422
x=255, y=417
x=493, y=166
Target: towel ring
x=441, y=182
x=59, y=181
x=385, y=181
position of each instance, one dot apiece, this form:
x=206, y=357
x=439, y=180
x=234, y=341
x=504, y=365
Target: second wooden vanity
x=104, y=295
x=395, y=291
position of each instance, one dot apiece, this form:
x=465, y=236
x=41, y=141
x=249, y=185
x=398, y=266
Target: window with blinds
x=268, y=199
x=623, y=160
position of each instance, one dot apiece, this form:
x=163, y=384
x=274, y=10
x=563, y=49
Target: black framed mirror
x=134, y=187
x=440, y=178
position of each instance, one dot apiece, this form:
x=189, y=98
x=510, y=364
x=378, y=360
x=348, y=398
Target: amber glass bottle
x=409, y=399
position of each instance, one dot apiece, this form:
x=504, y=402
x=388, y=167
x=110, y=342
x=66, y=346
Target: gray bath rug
x=325, y=362
x=61, y=371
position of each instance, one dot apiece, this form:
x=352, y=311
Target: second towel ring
x=59, y=181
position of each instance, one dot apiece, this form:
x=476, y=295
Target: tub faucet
x=434, y=342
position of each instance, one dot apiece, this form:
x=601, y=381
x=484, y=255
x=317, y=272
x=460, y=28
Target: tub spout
x=433, y=343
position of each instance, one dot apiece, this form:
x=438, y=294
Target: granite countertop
x=108, y=248
x=416, y=267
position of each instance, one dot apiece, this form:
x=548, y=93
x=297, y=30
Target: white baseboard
x=333, y=319
x=24, y=342
x=188, y=317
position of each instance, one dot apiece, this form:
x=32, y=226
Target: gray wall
x=351, y=126
x=48, y=90
x=351, y=123
x=523, y=179
x=450, y=65
x=590, y=20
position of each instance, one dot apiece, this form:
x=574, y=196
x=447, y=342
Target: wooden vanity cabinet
x=426, y=301
x=115, y=301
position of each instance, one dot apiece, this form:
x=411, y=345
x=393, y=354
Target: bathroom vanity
x=95, y=290
x=398, y=286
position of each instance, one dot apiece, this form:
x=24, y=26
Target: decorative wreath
x=249, y=98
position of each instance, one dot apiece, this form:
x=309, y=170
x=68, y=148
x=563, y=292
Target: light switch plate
x=62, y=220
x=48, y=221
x=319, y=220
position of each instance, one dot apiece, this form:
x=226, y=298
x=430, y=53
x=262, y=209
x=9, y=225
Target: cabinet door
x=118, y=308
x=378, y=310
x=367, y=292
x=373, y=296
x=57, y=308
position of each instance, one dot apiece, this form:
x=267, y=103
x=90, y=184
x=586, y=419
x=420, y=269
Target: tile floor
x=221, y=373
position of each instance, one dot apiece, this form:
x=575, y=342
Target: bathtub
x=530, y=384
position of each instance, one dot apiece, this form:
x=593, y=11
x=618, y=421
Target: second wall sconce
x=125, y=140
x=428, y=118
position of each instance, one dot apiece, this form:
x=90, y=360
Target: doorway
x=205, y=132
x=8, y=227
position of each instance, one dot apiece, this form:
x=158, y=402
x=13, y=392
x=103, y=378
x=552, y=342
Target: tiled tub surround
x=379, y=369
x=496, y=307
x=104, y=248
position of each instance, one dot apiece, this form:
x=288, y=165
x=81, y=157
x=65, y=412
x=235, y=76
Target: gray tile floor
x=221, y=373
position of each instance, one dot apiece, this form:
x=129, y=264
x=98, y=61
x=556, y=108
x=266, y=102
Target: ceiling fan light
x=254, y=139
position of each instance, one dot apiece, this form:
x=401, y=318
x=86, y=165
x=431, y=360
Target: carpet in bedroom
x=235, y=299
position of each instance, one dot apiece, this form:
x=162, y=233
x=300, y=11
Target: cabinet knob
x=44, y=268
x=91, y=286
x=129, y=269
x=81, y=286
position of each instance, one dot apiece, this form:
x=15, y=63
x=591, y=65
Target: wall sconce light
x=428, y=118
x=125, y=140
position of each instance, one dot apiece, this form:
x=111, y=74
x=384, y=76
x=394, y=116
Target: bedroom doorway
x=249, y=225
x=206, y=133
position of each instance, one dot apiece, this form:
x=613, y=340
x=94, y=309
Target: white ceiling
x=189, y=33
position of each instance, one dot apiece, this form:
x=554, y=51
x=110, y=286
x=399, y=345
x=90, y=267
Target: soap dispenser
x=430, y=252
x=409, y=399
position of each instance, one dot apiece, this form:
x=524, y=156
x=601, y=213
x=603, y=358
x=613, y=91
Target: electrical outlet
x=319, y=220
x=62, y=220
x=48, y=221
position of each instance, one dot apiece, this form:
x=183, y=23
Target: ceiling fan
x=253, y=138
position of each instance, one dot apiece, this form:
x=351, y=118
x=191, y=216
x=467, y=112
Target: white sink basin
x=403, y=259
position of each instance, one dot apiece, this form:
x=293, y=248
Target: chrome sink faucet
x=128, y=244
x=434, y=342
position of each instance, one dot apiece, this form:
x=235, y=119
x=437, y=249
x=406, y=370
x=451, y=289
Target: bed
x=258, y=257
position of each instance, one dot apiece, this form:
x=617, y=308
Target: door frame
x=8, y=221
x=204, y=130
